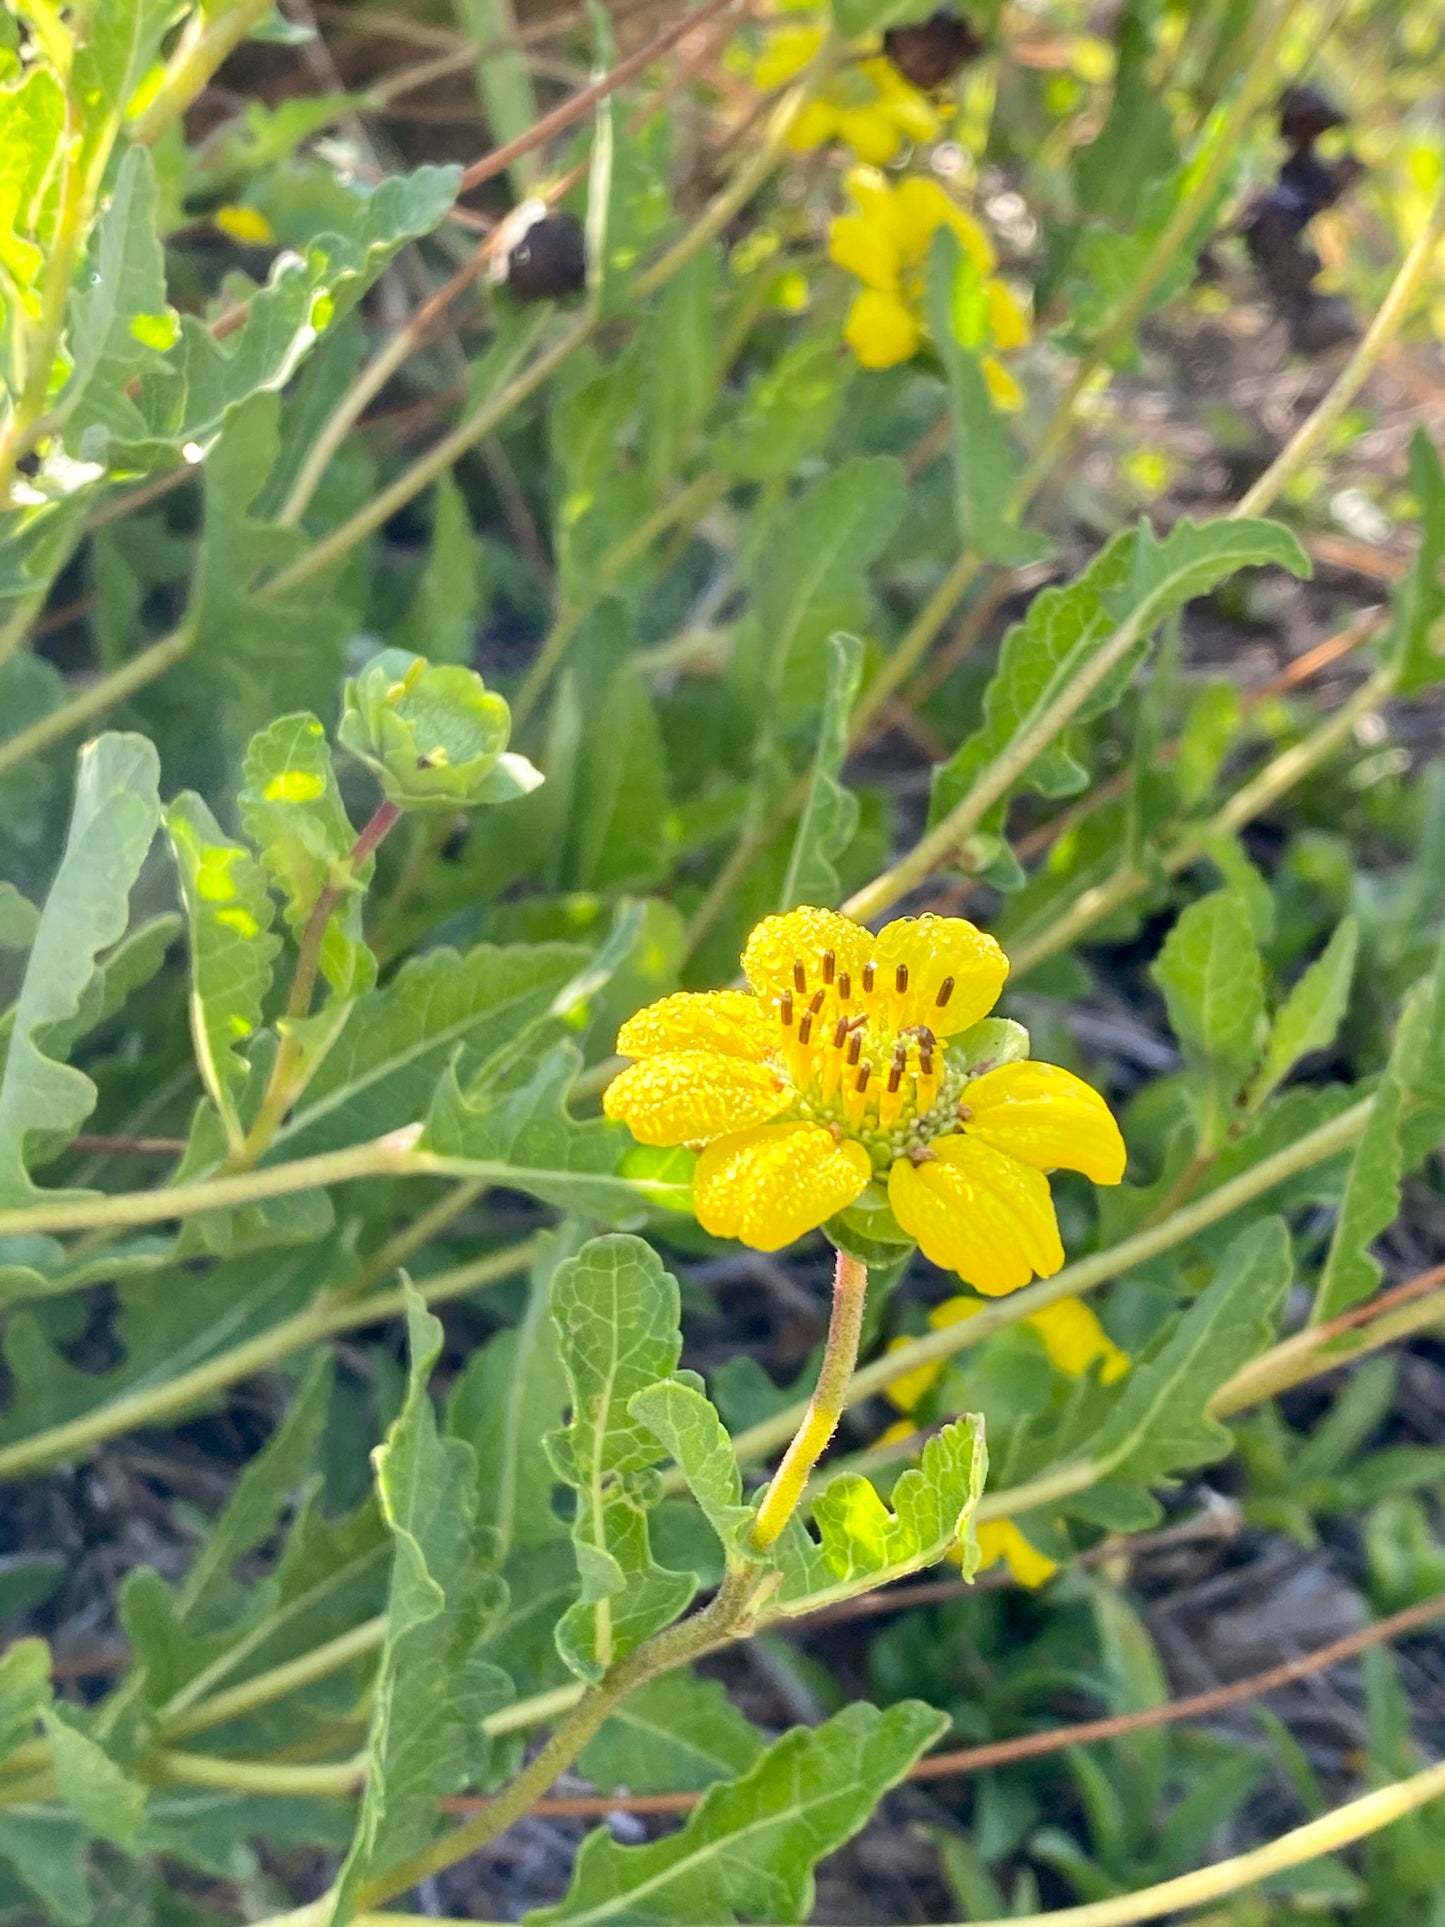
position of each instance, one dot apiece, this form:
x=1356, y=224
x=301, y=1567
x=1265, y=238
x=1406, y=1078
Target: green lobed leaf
x=205, y=381
x=44, y=1102
x=432, y=1692
x=19, y=919
x=293, y=813
x=111, y=1804
x=1213, y=983
x=439, y=1009
x=678, y=1733
x=1407, y=1119
x=830, y=815
x=750, y=1847
x=229, y=910
x=512, y=1391
x=24, y=1691
x=619, y=802
x=1134, y=577
x=616, y=1311
x=119, y=319
x=1160, y=1421
x=517, y=1123
x=867, y=1543
x=1310, y=1016
x=687, y=1426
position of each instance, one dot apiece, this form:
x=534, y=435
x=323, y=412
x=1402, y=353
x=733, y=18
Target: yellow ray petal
x=881, y=329
x=1003, y=387
x=934, y=950
x=769, y=1185
x=730, y=1021
x=978, y=1213
x=787, y=53
x=691, y=1096
x=864, y=248
x=1001, y=1539
x=1074, y=1338
x=871, y=132
x=1046, y=1117
x=803, y=936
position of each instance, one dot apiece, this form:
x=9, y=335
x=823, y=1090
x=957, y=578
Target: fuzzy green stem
x=825, y=1408
x=726, y=1614
x=283, y=1085
x=279, y=1682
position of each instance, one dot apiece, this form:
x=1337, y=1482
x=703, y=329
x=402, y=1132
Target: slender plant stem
x=825, y=1407
x=1315, y=429
x=1084, y=1275
x=995, y=781
x=1354, y=1821
x=172, y=1768
x=282, y=1086
x=1264, y=789
x=100, y=696
x=208, y=37
x=438, y=458
x=726, y=1614
x=279, y=1682
x=325, y=1319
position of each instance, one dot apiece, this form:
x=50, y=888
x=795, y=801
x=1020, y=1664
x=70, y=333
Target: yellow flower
x=885, y=245
x=837, y=1069
x=1071, y=1335
x=1001, y=1539
x=868, y=105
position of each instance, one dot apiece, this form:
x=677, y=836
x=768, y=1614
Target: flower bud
x=931, y=51
x=435, y=735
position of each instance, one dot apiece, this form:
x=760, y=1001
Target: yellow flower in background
x=845, y=1063
x=1071, y=1334
x=885, y=244
x=867, y=104
x=1001, y=1539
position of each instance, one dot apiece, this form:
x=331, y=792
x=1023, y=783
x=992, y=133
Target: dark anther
x=921, y=1154
x=855, y=1046
x=845, y=987
x=895, y=1077
x=785, y=1007
x=817, y=1001
x=965, y=1112
x=863, y=1076
x=925, y=1060
x=926, y=1038
x=805, y=1026
x=945, y=991
x=829, y=965
x=900, y=979
x=868, y=974
x=800, y=976
x=840, y=1033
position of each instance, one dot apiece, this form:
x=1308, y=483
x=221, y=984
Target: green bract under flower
x=435, y=735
